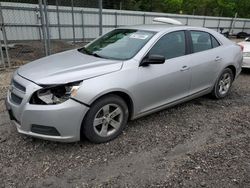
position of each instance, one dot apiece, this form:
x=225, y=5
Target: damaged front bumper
x=61, y=122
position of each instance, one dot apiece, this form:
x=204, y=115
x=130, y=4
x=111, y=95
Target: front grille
x=18, y=86
x=17, y=92
x=16, y=99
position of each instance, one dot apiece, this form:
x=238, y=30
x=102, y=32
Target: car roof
x=158, y=27
x=165, y=27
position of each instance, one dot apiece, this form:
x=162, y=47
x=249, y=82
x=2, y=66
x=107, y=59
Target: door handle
x=218, y=58
x=185, y=68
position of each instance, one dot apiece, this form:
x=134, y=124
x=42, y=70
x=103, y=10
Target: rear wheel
x=106, y=119
x=241, y=35
x=223, y=84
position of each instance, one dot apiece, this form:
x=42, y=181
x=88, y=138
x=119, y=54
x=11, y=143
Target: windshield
x=118, y=44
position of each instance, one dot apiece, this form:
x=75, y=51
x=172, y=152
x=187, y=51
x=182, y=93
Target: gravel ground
x=202, y=143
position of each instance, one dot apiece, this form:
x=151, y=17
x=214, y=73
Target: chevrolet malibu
x=127, y=73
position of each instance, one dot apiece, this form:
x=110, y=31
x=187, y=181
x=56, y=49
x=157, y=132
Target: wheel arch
x=233, y=69
x=125, y=96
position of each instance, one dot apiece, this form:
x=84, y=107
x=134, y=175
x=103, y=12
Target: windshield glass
x=118, y=44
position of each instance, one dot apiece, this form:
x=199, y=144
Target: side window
x=201, y=41
x=215, y=43
x=170, y=45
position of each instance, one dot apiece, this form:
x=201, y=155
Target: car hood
x=66, y=67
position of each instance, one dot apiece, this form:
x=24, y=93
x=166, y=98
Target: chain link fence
x=68, y=20
x=31, y=29
x=39, y=28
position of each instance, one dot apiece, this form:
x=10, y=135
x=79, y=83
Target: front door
x=164, y=83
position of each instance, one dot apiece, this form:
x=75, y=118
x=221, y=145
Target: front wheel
x=106, y=119
x=223, y=84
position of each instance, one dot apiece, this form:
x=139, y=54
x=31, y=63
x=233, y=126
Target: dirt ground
x=24, y=52
x=202, y=143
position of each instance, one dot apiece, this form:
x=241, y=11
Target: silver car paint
x=145, y=85
x=67, y=67
x=150, y=88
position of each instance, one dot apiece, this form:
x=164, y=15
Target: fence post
x=5, y=44
x=204, y=22
x=83, y=33
x=47, y=25
x=39, y=29
x=1, y=49
x=100, y=17
x=73, y=20
x=116, y=20
x=43, y=27
x=58, y=20
x=244, y=25
x=218, y=27
x=4, y=36
x=230, y=27
x=144, y=18
x=187, y=21
x=2, y=57
x=233, y=24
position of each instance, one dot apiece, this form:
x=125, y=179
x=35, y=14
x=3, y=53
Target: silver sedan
x=128, y=73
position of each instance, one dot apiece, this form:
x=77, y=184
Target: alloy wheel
x=108, y=120
x=224, y=83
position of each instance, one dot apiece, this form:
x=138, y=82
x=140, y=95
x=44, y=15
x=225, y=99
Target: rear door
x=205, y=60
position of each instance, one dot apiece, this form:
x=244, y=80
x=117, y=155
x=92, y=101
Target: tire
x=106, y=119
x=223, y=84
x=241, y=35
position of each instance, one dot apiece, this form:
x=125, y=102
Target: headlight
x=246, y=54
x=56, y=94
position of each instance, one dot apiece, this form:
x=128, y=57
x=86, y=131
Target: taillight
x=241, y=47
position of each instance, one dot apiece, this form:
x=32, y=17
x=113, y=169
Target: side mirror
x=152, y=59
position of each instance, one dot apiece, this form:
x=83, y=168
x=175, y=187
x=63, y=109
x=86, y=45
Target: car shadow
x=245, y=71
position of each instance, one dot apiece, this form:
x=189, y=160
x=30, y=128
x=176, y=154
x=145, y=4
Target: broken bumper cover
x=61, y=122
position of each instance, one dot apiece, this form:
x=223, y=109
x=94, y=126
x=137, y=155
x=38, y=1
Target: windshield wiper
x=96, y=55
x=84, y=50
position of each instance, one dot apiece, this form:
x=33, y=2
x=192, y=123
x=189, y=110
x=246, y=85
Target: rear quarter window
x=201, y=41
x=215, y=43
